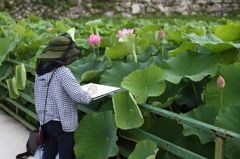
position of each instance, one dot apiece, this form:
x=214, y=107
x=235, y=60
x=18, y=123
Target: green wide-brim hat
x=56, y=48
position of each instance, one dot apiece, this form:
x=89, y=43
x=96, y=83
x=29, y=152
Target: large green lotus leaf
x=87, y=76
x=94, y=23
x=231, y=91
x=174, y=35
x=71, y=31
x=86, y=59
x=126, y=110
x=96, y=136
x=124, y=134
x=190, y=65
x=13, y=92
x=193, y=144
x=231, y=56
x=167, y=129
x=130, y=38
x=202, y=40
x=5, y=16
x=115, y=75
x=145, y=149
x=33, y=60
x=21, y=76
x=148, y=26
x=147, y=49
x=5, y=70
x=61, y=26
x=229, y=32
x=232, y=149
x=200, y=31
x=86, y=71
x=83, y=43
x=229, y=119
x=108, y=105
x=143, y=58
x=3, y=91
x=171, y=93
x=236, y=45
x=29, y=89
x=185, y=46
x=29, y=33
x=210, y=42
x=191, y=94
x=108, y=41
x=204, y=113
x=145, y=83
x=119, y=50
x=127, y=37
x=152, y=38
x=33, y=18
x=19, y=29
x=34, y=44
x=179, y=22
x=23, y=32
x=6, y=45
x=149, y=120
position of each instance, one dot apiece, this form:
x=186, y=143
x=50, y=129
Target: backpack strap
x=31, y=145
x=24, y=155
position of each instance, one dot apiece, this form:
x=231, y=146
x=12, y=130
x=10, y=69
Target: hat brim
x=57, y=54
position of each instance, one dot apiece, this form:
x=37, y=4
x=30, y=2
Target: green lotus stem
x=118, y=157
x=97, y=33
x=94, y=51
x=171, y=108
x=134, y=54
x=162, y=51
x=30, y=89
x=221, y=99
x=195, y=92
x=92, y=30
x=97, y=51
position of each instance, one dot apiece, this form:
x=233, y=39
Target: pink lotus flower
x=49, y=28
x=161, y=34
x=220, y=82
x=94, y=39
x=124, y=31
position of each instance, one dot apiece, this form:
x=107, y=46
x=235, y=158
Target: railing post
x=220, y=147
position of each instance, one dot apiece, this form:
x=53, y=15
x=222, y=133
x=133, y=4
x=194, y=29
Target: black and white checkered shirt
x=63, y=95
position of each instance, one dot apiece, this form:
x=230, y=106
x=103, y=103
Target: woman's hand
x=92, y=89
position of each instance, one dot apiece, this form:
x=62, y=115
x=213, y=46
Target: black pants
x=58, y=141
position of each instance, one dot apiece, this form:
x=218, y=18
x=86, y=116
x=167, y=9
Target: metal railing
x=221, y=134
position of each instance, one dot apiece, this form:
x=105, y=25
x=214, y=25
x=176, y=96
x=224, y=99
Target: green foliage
x=145, y=149
x=126, y=110
x=96, y=136
x=178, y=73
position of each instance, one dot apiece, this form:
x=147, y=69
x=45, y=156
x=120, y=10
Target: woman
x=56, y=96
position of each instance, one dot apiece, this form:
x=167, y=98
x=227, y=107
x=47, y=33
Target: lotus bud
x=94, y=39
x=161, y=34
x=220, y=82
x=49, y=28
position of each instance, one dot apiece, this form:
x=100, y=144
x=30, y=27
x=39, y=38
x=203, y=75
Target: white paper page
x=102, y=90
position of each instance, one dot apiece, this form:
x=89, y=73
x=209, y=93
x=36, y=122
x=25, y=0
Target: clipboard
x=103, y=90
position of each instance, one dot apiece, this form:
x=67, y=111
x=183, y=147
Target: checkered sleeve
x=73, y=88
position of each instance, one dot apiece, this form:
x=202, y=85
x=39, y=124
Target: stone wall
x=57, y=9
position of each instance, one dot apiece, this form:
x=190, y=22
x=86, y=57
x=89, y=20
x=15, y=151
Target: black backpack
x=31, y=146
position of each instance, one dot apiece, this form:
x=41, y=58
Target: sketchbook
x=103, y=90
